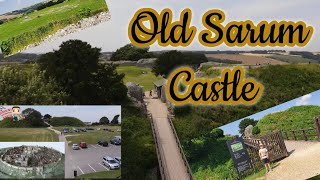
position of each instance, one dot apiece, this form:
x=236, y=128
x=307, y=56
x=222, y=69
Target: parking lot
x=89, y=160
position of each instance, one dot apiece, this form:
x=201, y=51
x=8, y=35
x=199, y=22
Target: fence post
x=317, y=123
x=304, y=134
x=294, y=136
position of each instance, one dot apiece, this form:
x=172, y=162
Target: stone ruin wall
x=49, y=170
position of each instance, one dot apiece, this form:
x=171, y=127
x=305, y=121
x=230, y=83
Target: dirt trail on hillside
x=303, y=162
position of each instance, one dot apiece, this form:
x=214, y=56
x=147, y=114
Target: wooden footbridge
x=172, y=161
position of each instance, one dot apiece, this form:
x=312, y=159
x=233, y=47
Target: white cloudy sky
x=114, y=34
x=59, y=146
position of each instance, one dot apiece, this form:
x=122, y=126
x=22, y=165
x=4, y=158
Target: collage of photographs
x=73, y=83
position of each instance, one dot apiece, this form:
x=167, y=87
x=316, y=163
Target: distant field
x=138, y=75
x=292, y=59
x=27, y=135
x=91, y=136
x=245, y=59
x=40, y=24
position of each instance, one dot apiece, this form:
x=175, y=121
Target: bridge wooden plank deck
x=174, y=164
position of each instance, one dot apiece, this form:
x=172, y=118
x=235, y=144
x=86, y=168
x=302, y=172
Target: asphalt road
x=88, y=160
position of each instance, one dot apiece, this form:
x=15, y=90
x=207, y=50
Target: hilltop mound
x=66, y=121
x=298, y=117
x=9, y=123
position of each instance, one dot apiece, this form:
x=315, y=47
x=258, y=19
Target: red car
x=83, y=145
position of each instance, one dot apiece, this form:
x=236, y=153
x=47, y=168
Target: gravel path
x=303, y=162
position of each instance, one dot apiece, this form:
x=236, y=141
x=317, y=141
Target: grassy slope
x=139, y=154
x=298, y=117
x=65, y=121
x=134, y=74
x=113, y=174
x=27, y=135
x=292, y=59
x=282, y=83
x=50, y=14
x=91, y=136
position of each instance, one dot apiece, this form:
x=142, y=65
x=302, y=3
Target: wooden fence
x=304, y=134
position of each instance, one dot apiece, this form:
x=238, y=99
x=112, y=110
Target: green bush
x=84, y=12
x=256, y=130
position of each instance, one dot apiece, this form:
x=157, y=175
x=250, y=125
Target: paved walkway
x=68, y=162
x=173, y=160
x=303, y=162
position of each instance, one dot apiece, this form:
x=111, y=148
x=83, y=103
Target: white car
x=75, y=147
x=110, y=162
x=118, y=159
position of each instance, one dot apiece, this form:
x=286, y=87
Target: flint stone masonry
x=55, y=169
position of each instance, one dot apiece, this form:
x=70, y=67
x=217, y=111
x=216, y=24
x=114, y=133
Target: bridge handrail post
x=170, y=117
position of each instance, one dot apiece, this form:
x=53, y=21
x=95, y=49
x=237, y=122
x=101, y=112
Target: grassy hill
x=9, y=123
x=35, y=26
x=141, y=76
x=298, y=117
x=66, y=121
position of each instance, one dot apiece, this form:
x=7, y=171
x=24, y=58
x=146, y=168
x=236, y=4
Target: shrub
x=84, y=12
x=256, y=130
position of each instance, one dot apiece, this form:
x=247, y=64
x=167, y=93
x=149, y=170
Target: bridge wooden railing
x=170, y=118
x=273, y=142
x=301, y=134
x=162, y=163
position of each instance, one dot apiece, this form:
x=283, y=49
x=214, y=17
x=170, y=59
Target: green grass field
x=27, y=135
x=91, y=136
x=67, y=10
x=102, y=175
x=292, y=59
x=138, y=75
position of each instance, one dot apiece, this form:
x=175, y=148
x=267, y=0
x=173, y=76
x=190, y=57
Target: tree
x=216, y=133
x=104, y=120
x=75, y=67
x=33, y=117
x=168, y=61
x=28, y=86
x=131, y=53
x=115, y=119
x=47, y=116
x=256, y=130
x=246, y=122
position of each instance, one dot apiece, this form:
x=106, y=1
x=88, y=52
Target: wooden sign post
x=317, y=123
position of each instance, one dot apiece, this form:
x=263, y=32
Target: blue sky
x=309, y=99
x=11, y=5
x=113, y=34
x=59, y=146
x=84, y=113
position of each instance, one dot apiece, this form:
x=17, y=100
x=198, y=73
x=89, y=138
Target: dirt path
x=170, y=150
x=303, y=162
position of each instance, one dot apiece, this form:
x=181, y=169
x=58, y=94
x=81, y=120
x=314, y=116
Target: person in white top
x=264, y=156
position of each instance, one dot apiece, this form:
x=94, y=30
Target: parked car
x=77, y=130
x=118, y=159
x=65, y=130
x=103, y=143
x=116, y=140
x=83, y=130
x=75, y=147
x=83, y=145
x=110, y=162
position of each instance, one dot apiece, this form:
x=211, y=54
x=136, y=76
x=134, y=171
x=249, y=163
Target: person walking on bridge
x=264, y=156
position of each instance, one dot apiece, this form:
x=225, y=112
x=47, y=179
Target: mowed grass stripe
x=27, y=135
